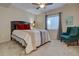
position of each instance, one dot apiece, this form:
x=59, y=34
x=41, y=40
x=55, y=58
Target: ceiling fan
x=42, y=5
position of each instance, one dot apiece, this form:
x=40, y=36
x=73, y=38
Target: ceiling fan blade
x=35, y=3
x=37, y=7
x=48, y=3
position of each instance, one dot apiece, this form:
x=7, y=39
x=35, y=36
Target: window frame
x=47, y=20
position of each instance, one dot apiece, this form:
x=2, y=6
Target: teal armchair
x=72, y=36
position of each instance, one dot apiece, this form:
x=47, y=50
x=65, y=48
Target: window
x=53, y=22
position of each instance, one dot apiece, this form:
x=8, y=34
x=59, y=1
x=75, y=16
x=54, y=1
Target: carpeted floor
x=53, y=48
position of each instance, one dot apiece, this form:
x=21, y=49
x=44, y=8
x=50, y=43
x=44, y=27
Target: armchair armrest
x=64, y=33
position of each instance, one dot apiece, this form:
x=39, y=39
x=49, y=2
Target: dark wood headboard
x=13, y=24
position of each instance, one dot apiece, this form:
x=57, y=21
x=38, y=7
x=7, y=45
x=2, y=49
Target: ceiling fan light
x=42, y=5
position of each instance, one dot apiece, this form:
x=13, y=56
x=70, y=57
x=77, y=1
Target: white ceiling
x=6, y=5
x=32, y=8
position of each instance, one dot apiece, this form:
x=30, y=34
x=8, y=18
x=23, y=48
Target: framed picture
x=69, y=21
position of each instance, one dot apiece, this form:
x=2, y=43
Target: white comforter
x=33, y=38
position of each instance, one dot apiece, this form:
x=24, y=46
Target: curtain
x=60, y=28
x=46, y=21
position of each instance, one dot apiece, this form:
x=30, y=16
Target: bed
x=30, y=39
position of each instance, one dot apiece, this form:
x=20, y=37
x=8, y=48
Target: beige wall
x=67, y=10
x=7, y=15
x=70, y=10
x=40, y=21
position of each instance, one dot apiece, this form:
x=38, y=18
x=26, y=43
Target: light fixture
x=42, y=5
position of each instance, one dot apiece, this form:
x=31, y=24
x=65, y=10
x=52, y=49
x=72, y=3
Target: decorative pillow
x=22, y=26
